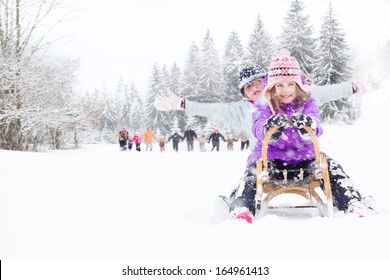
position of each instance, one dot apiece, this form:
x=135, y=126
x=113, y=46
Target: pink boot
x=243, y=213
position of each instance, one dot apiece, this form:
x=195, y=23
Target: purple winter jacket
x=293, y=150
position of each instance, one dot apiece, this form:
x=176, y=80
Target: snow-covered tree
x=176, y=85
x=174, y=82
x=211, y=86
x=164, y=119
x=121, y=104
x=191, y=74
x=93, y=105
x=157, y=87
x=297, y=37
x=154, y=90
x=232, y=64
x=35, y=92
x=260, y=47
x=210, y=72
x=136, y=110
x=333, y=68
x=110, y=118
x=113, y=117
x=333, y=52
x=175, y=127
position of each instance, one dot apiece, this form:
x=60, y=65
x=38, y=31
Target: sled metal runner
x=315, y=187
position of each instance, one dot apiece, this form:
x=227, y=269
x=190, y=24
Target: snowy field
x=98, y=203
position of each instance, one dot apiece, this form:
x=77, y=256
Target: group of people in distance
x=126, y=141
x=284, y=97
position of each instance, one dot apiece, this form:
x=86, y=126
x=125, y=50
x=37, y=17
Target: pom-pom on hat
x=250, y=73
x=285, y=67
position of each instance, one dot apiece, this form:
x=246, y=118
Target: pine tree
x=122, y=103
x=297, y=37
x=209, y=87
x=260, y=47
x=191, y=74
x=175, y=84
x=211, y=72
x=232, y=64
x=136, y=110
x=152, y=116
x=175, y=127
x=164, y=119
x=109, y=118
x=333, y=68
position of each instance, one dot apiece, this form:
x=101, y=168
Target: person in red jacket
x=137, y=142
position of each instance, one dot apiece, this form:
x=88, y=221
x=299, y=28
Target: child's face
x=253, y=89
x=286, y=91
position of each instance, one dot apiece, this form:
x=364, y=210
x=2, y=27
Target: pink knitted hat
x=285, y=67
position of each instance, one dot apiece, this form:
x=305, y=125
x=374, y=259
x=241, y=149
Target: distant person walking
x=148, y=137
x=214, y=138
x=175, y=137
x=190, y=136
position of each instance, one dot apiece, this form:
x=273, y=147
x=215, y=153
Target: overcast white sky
x=126, y=37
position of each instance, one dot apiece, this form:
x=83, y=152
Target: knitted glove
x=170, y=102
x=276, y=120
x=299, y=120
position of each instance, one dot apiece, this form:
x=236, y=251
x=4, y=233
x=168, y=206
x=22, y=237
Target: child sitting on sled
x=286, y=102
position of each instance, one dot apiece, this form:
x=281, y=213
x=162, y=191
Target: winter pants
x=148, y=146
x=343, y=190
x=215, y=145
x=243, y=144
x=175, y=146
x=190, y=145
x=122, y=145
x=130, y=146
x=138, y=147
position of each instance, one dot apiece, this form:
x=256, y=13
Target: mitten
x=170, y=102
x=299, y=120
x=276, y=120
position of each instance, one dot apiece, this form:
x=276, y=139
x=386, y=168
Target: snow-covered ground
x=99, y=203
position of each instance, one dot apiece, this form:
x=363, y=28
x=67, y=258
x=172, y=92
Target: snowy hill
x=100, y=203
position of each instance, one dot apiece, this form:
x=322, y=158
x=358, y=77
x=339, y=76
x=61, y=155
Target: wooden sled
x=315, y=187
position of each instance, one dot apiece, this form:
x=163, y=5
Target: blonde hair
x=302, y=97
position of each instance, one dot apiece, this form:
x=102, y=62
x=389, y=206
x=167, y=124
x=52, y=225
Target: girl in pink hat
x=286, y=96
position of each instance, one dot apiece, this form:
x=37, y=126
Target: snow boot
x=243, y=214
x=363, y=208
